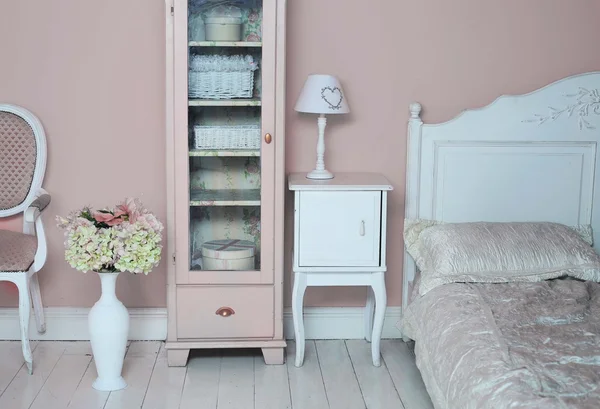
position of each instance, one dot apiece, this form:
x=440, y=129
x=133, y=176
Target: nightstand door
x=339, y=228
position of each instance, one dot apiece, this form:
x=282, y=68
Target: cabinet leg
x=378, y=286
x=297, y=313
x=369, y=310
x=273, y=356
x=177, y=357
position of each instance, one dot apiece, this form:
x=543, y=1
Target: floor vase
x=108, y=323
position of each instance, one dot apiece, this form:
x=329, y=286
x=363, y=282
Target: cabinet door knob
x=362, y=228
x=268, y=138
x=225, y=312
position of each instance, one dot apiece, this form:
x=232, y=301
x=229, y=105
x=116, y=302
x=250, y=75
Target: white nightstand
x=339, y=240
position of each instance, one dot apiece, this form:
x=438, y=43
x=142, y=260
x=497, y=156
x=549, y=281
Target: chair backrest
x=22, y=158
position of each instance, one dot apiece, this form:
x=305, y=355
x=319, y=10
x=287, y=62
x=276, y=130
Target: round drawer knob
x=268, y=138
x=225, y=312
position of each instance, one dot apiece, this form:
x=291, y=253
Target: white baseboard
x=339, y=323
x=70, y=324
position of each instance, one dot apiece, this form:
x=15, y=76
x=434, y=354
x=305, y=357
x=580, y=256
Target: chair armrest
x=36, y=207
x=41, y=202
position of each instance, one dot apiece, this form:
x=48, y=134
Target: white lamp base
x=319, y=174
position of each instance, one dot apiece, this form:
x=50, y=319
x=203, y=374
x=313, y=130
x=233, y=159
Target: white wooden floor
x=336, y=375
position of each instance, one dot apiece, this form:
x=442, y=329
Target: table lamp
x=322, y=94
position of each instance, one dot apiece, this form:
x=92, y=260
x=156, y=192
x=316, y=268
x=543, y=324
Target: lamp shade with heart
x=322, y=94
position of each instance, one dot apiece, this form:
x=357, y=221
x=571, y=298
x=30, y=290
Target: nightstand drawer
x=340, y=228
x=224, y=312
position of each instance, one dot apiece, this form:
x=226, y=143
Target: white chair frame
x=27, y=281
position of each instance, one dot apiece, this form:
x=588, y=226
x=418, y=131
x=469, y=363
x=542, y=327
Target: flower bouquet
x=126, y=238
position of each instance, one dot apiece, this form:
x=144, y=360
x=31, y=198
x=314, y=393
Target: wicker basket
x=227, y=137
x=221, y=84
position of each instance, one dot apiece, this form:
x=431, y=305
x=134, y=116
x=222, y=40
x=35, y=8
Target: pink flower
x=252, y=37
x=131, y=208
x=102, y=217
x=252, y=16
x=115, y=221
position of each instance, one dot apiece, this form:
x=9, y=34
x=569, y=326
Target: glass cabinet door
x=229, y=155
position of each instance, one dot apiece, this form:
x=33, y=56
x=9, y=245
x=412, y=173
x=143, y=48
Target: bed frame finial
x=415, y=110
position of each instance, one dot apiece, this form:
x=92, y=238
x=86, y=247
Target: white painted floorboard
x=271, y=386
x=236, y=385
x=24, y=388
x=306, y=382
x=201, y=385
x=341, y=385
x=137, y=370
x=86, y=397
x=62, y=382
x=375, y=383
x=400, y=361
x=335, y=375
x=11, y=360
x=166, y=384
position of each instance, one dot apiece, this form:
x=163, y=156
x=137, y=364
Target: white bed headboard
x=530, y=157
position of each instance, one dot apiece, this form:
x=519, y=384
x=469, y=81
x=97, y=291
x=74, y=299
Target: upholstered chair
x=22, y=255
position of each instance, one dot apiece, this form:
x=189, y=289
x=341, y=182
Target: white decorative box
x=229, y=254
x=223, y=28
x=223, y=23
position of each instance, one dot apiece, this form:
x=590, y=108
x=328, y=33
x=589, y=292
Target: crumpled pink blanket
x=516, y=345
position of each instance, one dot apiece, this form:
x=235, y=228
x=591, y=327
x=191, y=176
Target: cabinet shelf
x=225, y=197
x=225, y=44
x=228, y=153
x=253, y=102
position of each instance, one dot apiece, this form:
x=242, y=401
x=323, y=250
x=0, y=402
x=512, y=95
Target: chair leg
x=38, y=307
x=24, y=315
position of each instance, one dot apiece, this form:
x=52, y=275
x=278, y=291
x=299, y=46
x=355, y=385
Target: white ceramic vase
x=108, y=323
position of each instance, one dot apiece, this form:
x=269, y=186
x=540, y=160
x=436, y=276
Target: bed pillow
x=495, y=252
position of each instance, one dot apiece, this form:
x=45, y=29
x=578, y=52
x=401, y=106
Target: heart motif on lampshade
x=322, y=94
x=333, y=97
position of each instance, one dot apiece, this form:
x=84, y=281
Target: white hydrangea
x=125, y=239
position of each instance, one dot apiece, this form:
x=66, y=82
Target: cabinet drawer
x=197, y=315
x=339, y=228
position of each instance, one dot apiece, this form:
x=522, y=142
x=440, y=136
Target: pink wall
x=94, y=73
x=448, y=55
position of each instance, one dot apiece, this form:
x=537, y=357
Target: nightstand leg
x=378, y=285
x=369, y=310
x=297, y=313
